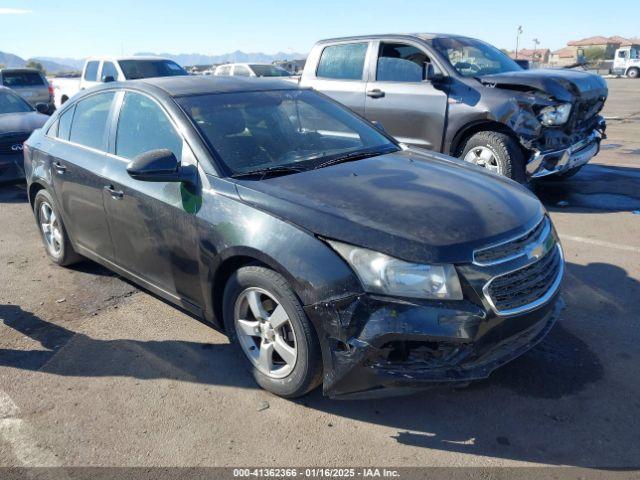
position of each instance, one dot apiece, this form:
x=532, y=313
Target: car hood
x=21, y=122
x=563, y=85
x=420, y=207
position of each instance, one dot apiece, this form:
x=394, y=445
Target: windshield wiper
x=349, y=157
x=270, y=171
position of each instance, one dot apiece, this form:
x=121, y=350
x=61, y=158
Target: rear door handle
x=59, y=167
x=113, y=192
x=375, y=93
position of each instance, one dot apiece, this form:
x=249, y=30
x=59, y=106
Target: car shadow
x=554, y=405
x=13, y=193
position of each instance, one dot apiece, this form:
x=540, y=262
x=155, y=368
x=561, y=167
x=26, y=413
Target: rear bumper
x=543, y=164
x=373, y=346
x=11, y=168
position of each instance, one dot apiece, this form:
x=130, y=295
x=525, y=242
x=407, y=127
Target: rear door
x=78, y=159
x=30, y=85
x=152, y=223
x=398, y=95
x=340, y=73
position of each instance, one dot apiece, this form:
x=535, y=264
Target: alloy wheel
x=265, y=332
x=51, y=231
x=483, y=157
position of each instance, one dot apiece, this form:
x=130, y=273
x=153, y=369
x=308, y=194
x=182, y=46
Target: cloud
x=13, y=11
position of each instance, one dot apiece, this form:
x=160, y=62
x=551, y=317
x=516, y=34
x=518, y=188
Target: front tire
x=497, y=152
x=633, y=73
x=55, y=238
x=264, y=317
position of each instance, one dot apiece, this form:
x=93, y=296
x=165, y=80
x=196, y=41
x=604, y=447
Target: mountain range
x=61, y=64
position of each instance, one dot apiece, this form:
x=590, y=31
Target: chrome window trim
x=543, y=236
x=533, y=305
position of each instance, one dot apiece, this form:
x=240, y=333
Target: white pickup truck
x=627, y=62
x=108, y=69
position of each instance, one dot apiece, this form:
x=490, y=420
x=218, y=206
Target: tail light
x=51, y=90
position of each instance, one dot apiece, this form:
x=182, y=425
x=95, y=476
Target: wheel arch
x=468, y=130
x=34, y=188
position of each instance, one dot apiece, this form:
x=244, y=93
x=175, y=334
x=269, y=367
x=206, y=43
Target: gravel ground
x=94, y=371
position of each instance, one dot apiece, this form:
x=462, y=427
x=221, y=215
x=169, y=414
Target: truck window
x=109, y=70
x=241, y=71
x=90, y=120
x=399, y=62
x=343, y=62
x=22, y=79
x=622, y=54
x=91, y=72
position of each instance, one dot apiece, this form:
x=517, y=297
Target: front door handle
x=113, y=192
x=375, y=93
x=59, y=167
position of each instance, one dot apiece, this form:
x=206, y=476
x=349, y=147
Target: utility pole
x=518, y=33
x=535, y=55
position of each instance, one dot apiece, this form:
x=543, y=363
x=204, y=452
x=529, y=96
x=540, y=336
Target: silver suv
x=31, y=85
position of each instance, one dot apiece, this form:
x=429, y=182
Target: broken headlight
x=555, y=114
x=380, y=273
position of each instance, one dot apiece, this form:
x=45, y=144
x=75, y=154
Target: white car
x=251, y=70
x=98, y=70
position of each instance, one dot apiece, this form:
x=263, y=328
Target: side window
x=241, y=71
x=91, y=72
x=64, y=124
x=108, y=70
x=143, y=126
x=343, y=62
x=622, y=54
x=90, y=120
x=398, y=62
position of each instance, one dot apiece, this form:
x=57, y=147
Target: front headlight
x=380, y=273
x=555, y=114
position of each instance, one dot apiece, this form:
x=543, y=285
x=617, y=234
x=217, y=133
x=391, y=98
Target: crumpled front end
x=376, y=345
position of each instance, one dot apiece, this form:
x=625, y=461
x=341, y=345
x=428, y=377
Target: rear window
x=22, y=79
x=134, y=69
x=90, y=120
x=343, y=62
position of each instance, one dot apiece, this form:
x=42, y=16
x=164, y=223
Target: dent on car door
x=399, y=96
x=152, y=223
x=77, y=161
x=341, y=74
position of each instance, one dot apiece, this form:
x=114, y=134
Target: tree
x=594, y=54
x=36, y=65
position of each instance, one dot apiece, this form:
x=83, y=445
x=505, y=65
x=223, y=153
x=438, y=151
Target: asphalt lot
x=95, y=372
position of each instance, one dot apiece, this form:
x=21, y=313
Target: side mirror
x=42, y=108
x=523, y=63
x=430, y=73
x=108, y=78
x=160, y=166
x=379, y=126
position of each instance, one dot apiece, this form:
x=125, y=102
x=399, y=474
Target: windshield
x=269, y=71
x=134, y=69
x=296, y=129
x=472, y=58
x=12, y=103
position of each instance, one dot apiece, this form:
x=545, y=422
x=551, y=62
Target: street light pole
x=518, y=32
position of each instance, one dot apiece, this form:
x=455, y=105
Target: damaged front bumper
x=542, y=164
x=375, y=346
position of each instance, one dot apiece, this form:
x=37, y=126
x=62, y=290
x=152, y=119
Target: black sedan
x=17, y=120
x=326, y=250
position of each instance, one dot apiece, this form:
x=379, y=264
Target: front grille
x=513, y=248
x=8, y=141
x=584, y=112
x=526, y=286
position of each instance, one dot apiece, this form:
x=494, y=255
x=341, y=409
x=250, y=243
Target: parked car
x=98, y=70
x=30, y=84
x=17, y=120
x=327, y=251
x=251, y=70
x=464, y=97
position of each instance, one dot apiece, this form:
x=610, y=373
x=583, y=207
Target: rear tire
x=52, y=231
x=291, y=378
x=633, y=73
x=497, y=152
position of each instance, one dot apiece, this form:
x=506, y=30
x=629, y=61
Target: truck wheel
x=263, y=316
x=633, y=73
x=497, y=152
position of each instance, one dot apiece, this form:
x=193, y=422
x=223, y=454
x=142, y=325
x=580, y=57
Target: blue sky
x=71, y=28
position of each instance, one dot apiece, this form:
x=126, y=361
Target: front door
x=153, y=224
x=77, y=160
x=402, y=100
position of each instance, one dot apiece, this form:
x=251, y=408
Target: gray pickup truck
x=31, y=85
x=463, y=97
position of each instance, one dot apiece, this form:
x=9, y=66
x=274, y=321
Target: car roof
x=421, y=36
x=185, y=85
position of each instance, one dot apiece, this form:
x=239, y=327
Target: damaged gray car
x=466, y=98
x=326, y=251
